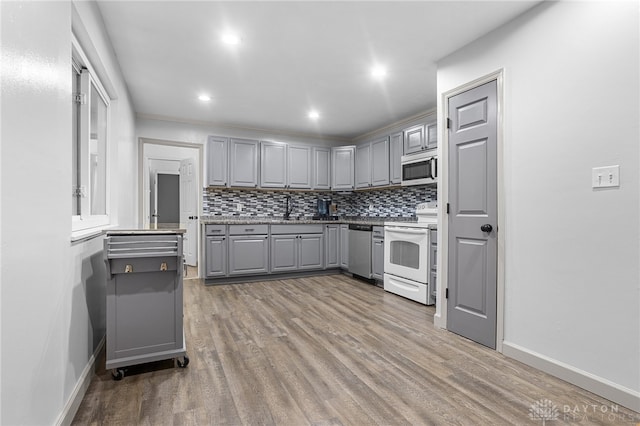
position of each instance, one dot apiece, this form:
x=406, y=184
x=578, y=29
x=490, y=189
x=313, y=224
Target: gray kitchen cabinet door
x=342, y=168
x=216, y=257
x=311, y=251
x=248, y=254
x=284, y=253
x=363, y=165
x=395, y=157
x=344, y=246
x=431, y=136
x=380, y=162
x=377, y=258
x=332, y=246
x=243, y=163
x=217, y=160
x=414, y=139
x=321, y=178
x=273, y=161
x=299, y=167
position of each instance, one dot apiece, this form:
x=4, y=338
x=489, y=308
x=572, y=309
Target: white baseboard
x=612, y=391
x=71, y=408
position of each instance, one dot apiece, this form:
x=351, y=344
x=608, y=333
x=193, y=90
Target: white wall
x=572, y=279
x=198, y=132
x=52, y=302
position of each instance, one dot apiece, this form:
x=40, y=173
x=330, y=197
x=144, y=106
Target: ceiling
x=293, y=57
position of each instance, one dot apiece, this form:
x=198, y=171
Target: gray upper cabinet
x=414, y=139
x=432, y=136
x=380, y=162
x=395, y=156
x=372, y=163
x=299, y=166
x=321, y=168
x=363, y=165
x=342, y=171
x=243, y=163
x=217, y=158
x=273, y=160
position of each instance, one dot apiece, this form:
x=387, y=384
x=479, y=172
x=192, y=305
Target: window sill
x=88, y=234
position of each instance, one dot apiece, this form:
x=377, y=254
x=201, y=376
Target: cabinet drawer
x=215, y=229
x=248, y=229
x=144, y=264
x=297, y=229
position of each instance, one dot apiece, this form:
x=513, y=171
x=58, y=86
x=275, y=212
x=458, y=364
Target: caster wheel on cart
x=117, y=374
x=184, y=362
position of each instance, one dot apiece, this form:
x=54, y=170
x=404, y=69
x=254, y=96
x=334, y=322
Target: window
x=90, y=147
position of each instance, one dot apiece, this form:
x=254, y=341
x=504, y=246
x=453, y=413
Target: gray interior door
x=168, y=198
x=471, y=307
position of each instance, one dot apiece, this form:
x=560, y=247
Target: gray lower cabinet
x=344, y=246
x=216, y=257
x=284, y=253
x=248, y=249
x=332, y=246
x=296, y=247
x=377, y=252
x=433, y=264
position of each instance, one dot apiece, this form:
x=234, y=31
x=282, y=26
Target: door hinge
x=80, y=98
x=446, y=293
x=448, y=123
x=447, y=208
x=80, y=191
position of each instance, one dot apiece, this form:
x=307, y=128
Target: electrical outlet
x=370, y=207
x=239, y=207
x=605, y=177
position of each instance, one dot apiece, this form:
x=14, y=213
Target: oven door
x=406, y=252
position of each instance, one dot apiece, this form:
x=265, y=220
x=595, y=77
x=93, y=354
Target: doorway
x=170, y=192
x=473, y=249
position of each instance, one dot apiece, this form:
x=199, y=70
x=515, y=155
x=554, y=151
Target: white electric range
x=406, y=256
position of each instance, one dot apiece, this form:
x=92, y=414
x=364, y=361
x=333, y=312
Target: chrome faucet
x=288, y=206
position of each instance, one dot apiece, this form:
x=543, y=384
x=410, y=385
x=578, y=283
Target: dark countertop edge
x=145, y=231
x=276, y=221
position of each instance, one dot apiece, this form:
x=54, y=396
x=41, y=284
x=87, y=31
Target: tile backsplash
x=396, y=202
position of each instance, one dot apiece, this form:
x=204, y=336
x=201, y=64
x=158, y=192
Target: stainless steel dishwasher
x=360, y=250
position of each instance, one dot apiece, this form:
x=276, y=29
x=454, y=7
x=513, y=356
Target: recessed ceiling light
x=313, y=114
x=204, y=98
x=231, y=39
x=378, y=72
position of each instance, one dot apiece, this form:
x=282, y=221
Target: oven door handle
x=407, y=230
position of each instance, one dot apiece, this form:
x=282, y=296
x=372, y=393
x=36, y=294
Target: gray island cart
x=144, y=298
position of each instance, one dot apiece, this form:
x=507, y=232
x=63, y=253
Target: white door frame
x=141, y=180
x=440, y=319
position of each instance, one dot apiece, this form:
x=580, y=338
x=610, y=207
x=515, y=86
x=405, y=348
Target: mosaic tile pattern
x=397, y=202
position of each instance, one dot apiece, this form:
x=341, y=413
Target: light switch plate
x=605, y=177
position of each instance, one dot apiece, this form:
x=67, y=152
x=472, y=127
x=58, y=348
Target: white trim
x=142, y=165
x=600, y=386
x=73, y=403
x=440, y=319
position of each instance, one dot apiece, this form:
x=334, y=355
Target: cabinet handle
x=248, y=229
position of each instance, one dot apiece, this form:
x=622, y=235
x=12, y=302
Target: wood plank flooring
x=329, y=350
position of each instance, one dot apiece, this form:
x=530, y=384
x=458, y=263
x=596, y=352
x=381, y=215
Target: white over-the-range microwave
x=420, y=169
